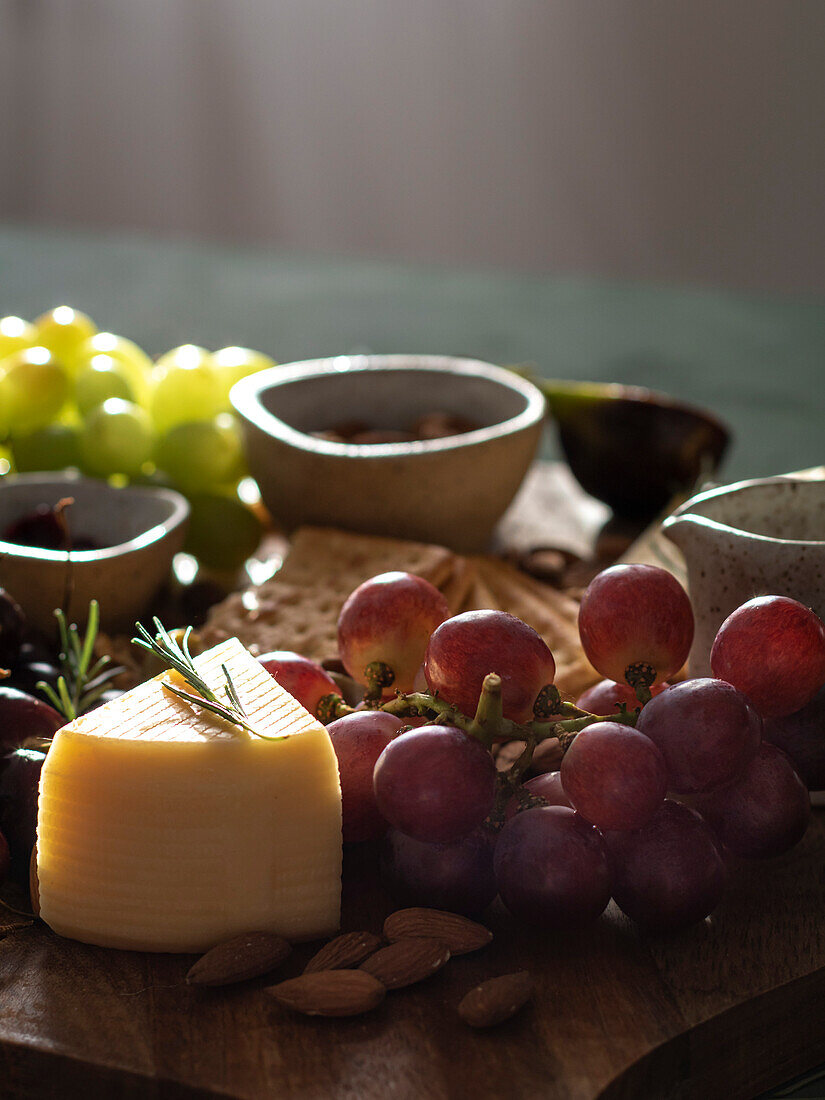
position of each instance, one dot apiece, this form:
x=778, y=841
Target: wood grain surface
x=723, y=1010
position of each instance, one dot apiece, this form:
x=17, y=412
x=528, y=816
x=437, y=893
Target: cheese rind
x=160, y=828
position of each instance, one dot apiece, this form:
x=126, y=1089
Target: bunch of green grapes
x=71, y=396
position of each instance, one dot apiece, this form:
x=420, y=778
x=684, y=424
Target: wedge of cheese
x=161, y=828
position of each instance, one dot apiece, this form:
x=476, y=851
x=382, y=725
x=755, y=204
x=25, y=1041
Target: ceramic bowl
x=451, y=491
x=141, y=530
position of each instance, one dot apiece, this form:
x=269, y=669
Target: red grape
x=671, y=873
x=615, y=776
x=464, y=649
x=705, y=729
x=802, y=737
x=435, y=783
x=773, y=649
x=635, y=614
x=305, y=680
x=552, y=867
x=389, y=619
x=765, y=810
x=358, y=740
x=547, y=786
x=458, y=877
x=604, y=698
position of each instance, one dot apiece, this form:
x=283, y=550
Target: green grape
x=185, y=387
x=34, y=388
x=102, y=377
x=203, y=454
x=222, y=532
x=233, y=364
x=136, y=364
x=52, y=448
x=62, y=329
x=15, y=334
x=116, y=438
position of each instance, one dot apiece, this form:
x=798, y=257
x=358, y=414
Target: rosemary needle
x=176, y=655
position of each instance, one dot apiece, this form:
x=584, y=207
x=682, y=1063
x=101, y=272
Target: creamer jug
x=753, y=538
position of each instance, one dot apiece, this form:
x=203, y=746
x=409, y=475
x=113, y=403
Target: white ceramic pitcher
x=750, y=539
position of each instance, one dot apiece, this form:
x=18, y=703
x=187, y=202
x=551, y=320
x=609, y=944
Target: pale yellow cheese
x=160, y=828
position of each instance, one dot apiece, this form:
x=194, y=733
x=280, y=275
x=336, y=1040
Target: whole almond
x=344, y=952
x=496, y=1000
x=242, y=957
x=407, y=961
x=460, y=934
x=330, y=993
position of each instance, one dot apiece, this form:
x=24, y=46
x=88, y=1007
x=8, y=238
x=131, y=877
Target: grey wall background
x=675, y=140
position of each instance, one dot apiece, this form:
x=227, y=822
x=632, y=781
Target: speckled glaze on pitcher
x=750, y=539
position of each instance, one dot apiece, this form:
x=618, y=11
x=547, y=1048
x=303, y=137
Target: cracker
x=275, y=615
x=298, y=608
x=345, y=560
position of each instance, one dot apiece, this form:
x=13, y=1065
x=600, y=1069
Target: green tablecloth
x=758, y=361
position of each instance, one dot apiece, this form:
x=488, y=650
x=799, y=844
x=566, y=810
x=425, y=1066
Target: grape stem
x=489, y=714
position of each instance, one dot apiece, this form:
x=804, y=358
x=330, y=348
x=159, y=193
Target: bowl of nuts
x=415, y=446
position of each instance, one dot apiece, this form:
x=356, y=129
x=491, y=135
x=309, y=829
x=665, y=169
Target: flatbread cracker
x=298, y=608
x=346, y=560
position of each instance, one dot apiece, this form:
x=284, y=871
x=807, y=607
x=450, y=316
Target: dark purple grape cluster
x=27, y=724
x=659, y=787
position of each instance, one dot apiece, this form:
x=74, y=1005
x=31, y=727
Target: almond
x=330, y=993
x=459, y=933
x=344, y=952
x=496, y=1000
x=407, y=961
x=238, y=959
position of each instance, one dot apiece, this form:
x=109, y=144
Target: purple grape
x=358, y=740
x=552, y=867
x=766, y=809
x=802, y=737
x=19, y=790
x=615, y=776
x=606, y=696
x=671, y=873
x=458, y=877
x=706, y=731
x=23, y=716
x=435, y=783
x=549, y=787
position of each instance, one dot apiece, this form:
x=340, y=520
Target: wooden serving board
x=723, y=1010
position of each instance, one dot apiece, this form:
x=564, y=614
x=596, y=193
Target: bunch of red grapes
x=661, y=786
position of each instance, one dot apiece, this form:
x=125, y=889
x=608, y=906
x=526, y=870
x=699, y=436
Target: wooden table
x=724, y=1010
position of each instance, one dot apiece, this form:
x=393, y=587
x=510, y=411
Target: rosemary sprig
x=81, y=682
x=176, y=655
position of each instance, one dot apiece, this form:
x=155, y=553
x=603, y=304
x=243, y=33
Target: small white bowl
x=451, y=491
x=140, y=529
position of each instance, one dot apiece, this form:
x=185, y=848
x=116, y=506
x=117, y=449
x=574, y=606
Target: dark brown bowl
x=632, y=448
